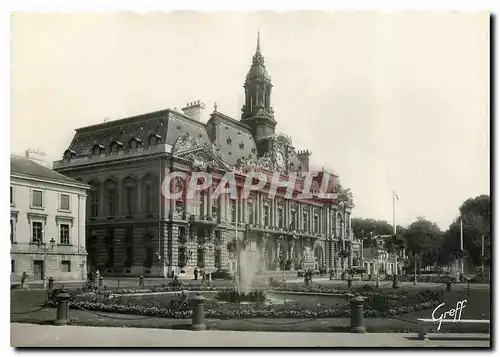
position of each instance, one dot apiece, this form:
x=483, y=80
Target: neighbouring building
x=47, y=222
x=133, y=230
x=376, y=259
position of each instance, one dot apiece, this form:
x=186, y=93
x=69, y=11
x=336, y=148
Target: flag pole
x=394, y=211
x=482, y=255
x=461, y=246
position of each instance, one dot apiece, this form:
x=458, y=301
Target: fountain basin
x=306, y=298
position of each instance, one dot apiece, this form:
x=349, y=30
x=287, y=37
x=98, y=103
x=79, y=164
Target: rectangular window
x=37, y=232
x=179, y=206
x=202, y=204
x=64, y=234
x=305, y=221
x=66, y=266
x=182, y=257
x=293, y=223
x=129, y=199
x=64, y=204
x=12, y=233
x=316, y=223
x=266, y=215
x=218, y=258
x=280, y=217
x=12, y=266
x=11, y=194
x=233, y=210
x=215, y=211
x=37, y=199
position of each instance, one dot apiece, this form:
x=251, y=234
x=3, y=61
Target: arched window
x=94, y=198
x=178, y=187
x=111, y=196
x=129, y=195
x=338, y=226
x=149, y=194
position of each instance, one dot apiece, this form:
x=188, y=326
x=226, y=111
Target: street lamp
x=210, y=247
x=43, y=247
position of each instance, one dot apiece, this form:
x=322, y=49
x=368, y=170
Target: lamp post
x=210, y=253
x=161, y=262
x=43, y=247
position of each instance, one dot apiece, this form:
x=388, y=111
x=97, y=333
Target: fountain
x=249, y=263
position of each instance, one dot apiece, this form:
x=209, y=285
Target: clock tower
x=257, y=112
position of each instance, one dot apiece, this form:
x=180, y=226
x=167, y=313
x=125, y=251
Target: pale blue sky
x=388, y=101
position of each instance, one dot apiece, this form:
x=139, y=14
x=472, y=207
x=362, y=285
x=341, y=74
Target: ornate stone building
x=132, y=229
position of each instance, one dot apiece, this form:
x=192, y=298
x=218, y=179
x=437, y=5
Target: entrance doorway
x=38, y=268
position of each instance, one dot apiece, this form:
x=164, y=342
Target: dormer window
x=68, y=154
x=115, y=146
x=134, y=143
x=97, y=149
x=229, y=141
x=154, y=139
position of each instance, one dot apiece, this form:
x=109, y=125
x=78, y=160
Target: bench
x=424, y=325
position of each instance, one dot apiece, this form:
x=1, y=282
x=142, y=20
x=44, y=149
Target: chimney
x=303, y=156
x=38, y=156
x=194, y=109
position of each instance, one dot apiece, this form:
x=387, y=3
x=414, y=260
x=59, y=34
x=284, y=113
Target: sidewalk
x=25, y=335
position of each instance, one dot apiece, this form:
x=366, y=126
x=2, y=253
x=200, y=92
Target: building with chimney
x=47, y=222
x=132, y=230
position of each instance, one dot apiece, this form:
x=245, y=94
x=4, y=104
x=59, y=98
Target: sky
x=387, y=101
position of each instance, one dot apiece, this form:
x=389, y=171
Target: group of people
x=203, y=274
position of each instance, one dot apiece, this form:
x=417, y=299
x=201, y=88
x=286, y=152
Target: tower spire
x=258, y=41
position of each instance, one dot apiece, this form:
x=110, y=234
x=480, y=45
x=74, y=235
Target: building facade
x=376, y=257
x=47, y=223
x=132, y=229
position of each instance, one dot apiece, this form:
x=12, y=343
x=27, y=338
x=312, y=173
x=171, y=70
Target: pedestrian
x=24, y=280
x=202, y=276
x=195, y=273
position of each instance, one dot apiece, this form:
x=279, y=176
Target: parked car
x=222, y=274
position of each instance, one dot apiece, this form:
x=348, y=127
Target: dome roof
x=258, y=71
x=258, y=68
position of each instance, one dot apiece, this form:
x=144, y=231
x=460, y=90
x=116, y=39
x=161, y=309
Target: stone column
x=187, y=210
x=222, y=210
x=81, y=220
x=209, y=201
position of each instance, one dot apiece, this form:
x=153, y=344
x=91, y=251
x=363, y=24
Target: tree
x=363, y=227
x=475, y=214
x=425, y=239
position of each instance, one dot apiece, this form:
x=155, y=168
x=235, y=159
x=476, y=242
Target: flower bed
x=229, y=312
x=377, y=304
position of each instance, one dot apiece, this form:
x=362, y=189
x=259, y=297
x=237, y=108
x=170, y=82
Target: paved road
x=387, y=283
x=25, y=335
